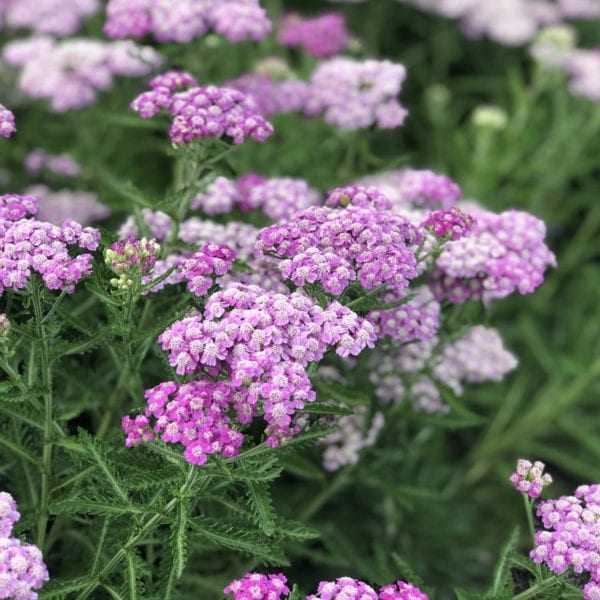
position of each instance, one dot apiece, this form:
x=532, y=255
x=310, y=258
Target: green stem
x=535, y=590
x=529, y=511
x=46, y=373
x=140, y=533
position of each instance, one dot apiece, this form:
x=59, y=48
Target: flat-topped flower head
x=203, y=111
x=451, y=224
x=321, y=36
x=184, y=20
x=530, y=478
x=402, y=590
x=8, y=512
x=353, y=94
x=7, y=122
x=365, y=197
x=28, y=245
x=344, y=588
x=256, y=586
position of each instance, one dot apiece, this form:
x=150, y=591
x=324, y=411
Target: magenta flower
x=530, y=478
x=7, y=122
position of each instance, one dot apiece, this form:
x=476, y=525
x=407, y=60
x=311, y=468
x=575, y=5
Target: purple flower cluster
x=60, y=164
x=200, y=268
x=354, y=432
x=335, y=247
x=158, y=223
x=530, y=478
x=347, y=588
x=22, y=568
x=184, y=20
x=256, y=586
x=70, y=73
x=130, y=259
x=270, y=95
x=584, y=68
x=412, y=370
x=571, y=537
x=263, y=342
x=451, y=224
x=416, y=319
x=28, y=245
x=57, y=206
x=278, y=198
x=7, y=122
x=321, y=36
x=56, y=17
x=354, y=94
x=237, y=235
x=502, y=254
x=357, y=195
x=202, y=111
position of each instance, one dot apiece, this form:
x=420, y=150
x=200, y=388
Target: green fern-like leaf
x=259, y=499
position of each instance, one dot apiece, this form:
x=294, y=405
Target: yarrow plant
x=7, y=122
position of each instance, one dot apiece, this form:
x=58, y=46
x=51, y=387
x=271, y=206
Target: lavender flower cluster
x=338, y=246
x=570, y=538
x=22, y=568
x=277, y=197
x=256, y=586
x=59, y=164
x=7, y=122
x=530, y=478
x=322, y=36
x=70, y=73
x=184, y=20
x=202, y=111
x=261, y=343
x=355, y=94
x=28, y=245
x=55, y=17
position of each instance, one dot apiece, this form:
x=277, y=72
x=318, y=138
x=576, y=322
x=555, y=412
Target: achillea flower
x=357, y=195
x=278, y=197
x=184, y=20
x=503, y=253
x=7, y=122
x=570, y=538
x=203, y=112
x=579, y=9
x=158, y=223
x=57, y=206
x=235, y=234
x=257, y=586
x=401, y=590
x=262, y=344
x=344, y=587
x=452, y=224
x=354, y=94
x=412, y=370
x=321, y=36
x=59, y=164
x=530, y=478
x=22, y=569
x=335, y=247
x=56, y=17
x=70, y=73
x=130, y=259
x=28, y=245
x=271, y=96
x=584, y=68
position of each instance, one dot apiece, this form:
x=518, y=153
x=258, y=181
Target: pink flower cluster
x=28, y=245
x=7, y=122
x=60, y=164
x=357, y=195
x=416, y=319
x=502, y=254
x=236, y=20
x=321, y=36
x=158, y=223
x=354, y=94
x=452, y=224
x=270, y=95
x=412, y=370
x=337, y=246
x=56, y=17
x=202, y=111
x=571, y=538
x=584, y=68
x=211, y=260
x=278, y=197
x=70, y=73
x=347, y=588
x=256, y=586
x=22, y=568
x=57, y=206
x=530, y=478
x=263, y=342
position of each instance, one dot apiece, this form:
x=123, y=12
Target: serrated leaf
x=61, y=590
x=464, y=595
x=295, y=594
x=96, y=507
x=295, y=530
x=502, y=579
x=259, y=499
x=326, y=409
